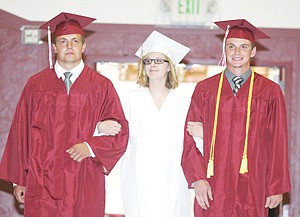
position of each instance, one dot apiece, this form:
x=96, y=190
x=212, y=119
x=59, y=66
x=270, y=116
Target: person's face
x=238, y=53
x=157, y=71
x=69, y=49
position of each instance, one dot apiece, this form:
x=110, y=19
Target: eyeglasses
x=156, y=61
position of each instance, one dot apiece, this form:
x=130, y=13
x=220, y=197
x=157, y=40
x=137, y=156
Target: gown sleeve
x=192, y=160
x=278, y=181
x=14, y=163
x=109, y=149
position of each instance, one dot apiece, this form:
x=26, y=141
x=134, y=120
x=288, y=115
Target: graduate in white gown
x=152, y=180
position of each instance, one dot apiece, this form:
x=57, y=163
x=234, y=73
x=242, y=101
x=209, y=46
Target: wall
x=17, y=64
x=264, y=13
x=118, y=43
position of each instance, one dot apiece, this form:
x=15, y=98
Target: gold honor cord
x=244, y=164
x=210, y=166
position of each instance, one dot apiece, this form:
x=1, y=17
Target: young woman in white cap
x=152, y=179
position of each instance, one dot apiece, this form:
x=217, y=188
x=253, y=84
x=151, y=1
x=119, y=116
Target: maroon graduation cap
x=239, y=28
x=65, y=24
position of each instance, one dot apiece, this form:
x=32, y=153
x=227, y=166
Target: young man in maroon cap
x=243, y=170
x=51, y=155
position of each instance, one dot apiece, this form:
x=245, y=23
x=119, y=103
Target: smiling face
x=155, y=71
x=238, y=54
x=69, y=49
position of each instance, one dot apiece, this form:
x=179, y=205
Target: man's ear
x=253, y=52
x=54, y=48
x=83, y=47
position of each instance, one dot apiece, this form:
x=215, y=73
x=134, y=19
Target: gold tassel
x=244, y=165
x=210, y=168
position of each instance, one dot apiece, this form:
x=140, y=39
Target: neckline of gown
x=164, y=102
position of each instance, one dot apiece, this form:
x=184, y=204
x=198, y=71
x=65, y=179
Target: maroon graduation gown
x=234, y=194
x=46, y=123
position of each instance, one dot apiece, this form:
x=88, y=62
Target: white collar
x=75, y=71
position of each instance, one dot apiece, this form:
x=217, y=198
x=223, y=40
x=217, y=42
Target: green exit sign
x=188, y=6
x=194, y=12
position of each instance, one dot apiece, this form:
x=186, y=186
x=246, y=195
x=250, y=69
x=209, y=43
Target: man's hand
x=273, y=201
x=195, y=129
x=203, y=193
x=19, y=192
x=109, y=127
x=79, y=152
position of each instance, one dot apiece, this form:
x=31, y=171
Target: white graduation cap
x=157, y=42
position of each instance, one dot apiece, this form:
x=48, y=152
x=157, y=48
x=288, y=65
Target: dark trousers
x=272, y=212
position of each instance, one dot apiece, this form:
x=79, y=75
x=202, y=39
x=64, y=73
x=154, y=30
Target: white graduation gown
x=152, y=180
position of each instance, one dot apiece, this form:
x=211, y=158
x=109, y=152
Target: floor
x=113, y=215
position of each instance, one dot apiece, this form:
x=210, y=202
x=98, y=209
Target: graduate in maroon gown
x=243, y=167
x=51, y=155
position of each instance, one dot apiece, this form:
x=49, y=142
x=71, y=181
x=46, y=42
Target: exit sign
x=194, y=12
x=188, y=7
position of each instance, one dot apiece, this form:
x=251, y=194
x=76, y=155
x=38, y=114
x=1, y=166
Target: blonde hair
x=143, y=79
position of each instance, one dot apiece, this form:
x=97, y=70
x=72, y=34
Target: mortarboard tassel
x=50, y=48
x=222, y=61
